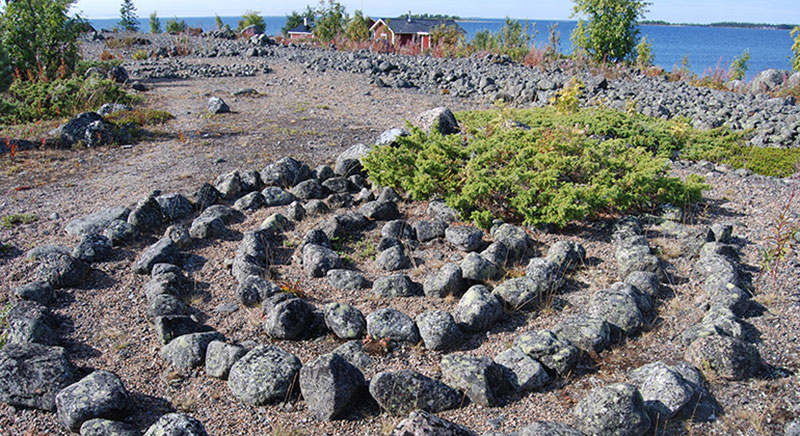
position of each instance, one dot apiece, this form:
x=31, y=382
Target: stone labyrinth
x=36, y=373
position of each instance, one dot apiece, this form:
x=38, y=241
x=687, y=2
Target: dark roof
x=302, y=28
x=403, y=25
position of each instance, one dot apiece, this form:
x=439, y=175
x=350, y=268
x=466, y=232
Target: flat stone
x=32, y=374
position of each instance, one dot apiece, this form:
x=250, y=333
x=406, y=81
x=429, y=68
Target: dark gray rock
x=721, y=232
x=727, y=357
x=87, y=128
x=519, y=293
x=497, y=253
x=40, y=292
x=93, y=248
x=330, y=385
x=338, y=201
x=32, y=374
x=438, y=330
x=337, y=184
x=443, y=282
x=545, y=273
x=422, y=423
x=464, y=238
x=342, y=225
x=477, y=309
x=107, y=427
x=39, y=252
x=289, y=319
x=318, y=260
x=393, y=259
x=476, y=268
x=346, y=279
x=515, y=239
x=119, y=231
x=96, y=222
x=166, y=305
x=163, y=251
x=353, y=352
x=402, y=392
x=176, y=424
x=229, y=185
x=546, y=428
x=216, y=105
x=380, y=210
x=110, y=108
x=189, y=351
x=645, y=282
x=61, y=270
x=441, y=211
x=175, y=206
x=568, y=255
x=617, y=306
x=316, y=237
x=295, y=211
x=118, y=74
x=478, y=377
x=308, y=190
x=543, y=345
x=355, y=152
x=251, y=181
x=146, y=216
x=286, y=172
x=397, y=285
x=273, y=300
x=250, y=202
x=101, y=394
x=616, y=410
x=275, y=196
x=364, y=196
x=316, y=207
x=276, y=224
x=220, y=357
x=585, y=332
x=345, y=321
x=428, y=230
x=264, y=375
x=389, y=137
x=392, y=324
x=206, y=196
x=522, y=372
x=636, y=258
x=663, y=390
x=173, y=326
x=388, y=194
x=179, y=234
x=28, y=321
x=398, y=229
x=322, y=173
x=440, y=119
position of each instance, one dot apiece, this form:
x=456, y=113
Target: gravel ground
x=314, y=117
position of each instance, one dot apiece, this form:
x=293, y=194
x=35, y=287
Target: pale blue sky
x=692, y=11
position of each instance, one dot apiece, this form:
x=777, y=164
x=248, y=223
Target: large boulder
x=28, y=321
x=264, y=375
x=61, y=270
x=87, y=128
x=318, y=260
x=286, y=172
x=147, y=216
x=32, y=374
x=289, y=319
x=727, y=357
x=175, y=206
x=663, y=390
x=345, y=321
x=522, y=372
x=189, y=351
x=440, y=119
x=519, y=293
x=96, y=222
x=587, y=333
x=330, y=385
x=479, y=378
x=392, y=324
x=477, y=309
x=221, y=356
x=555, y=354
x=514, y=238
x=444, y=281
x=163, y=251
x=402, y=392
x=464, y=238
x=438, y=330
x=614, y=410
x=768, y=80
x=100, y=394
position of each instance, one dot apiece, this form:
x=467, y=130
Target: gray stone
x=172, y=326
x=163, y=251
x=338, y=201
x=316, y=207
x=308, y=190
x=147, y=215
x=295, y=211
x=441, y=211
x=322, y=173
x=636, y=258
x=28, y=321
x=364, y=196
x=39, y=252
x=119, y=231
x=165, y=305
x=428, y=230
x=179, y=234
x=727, y=357
x=478, y=377
x=346, y=279
x=87, y=128
x=389, y=137
x=276, y=224
x=645, y=282
x=32, y=374
x=40, y=292
x=61, y=270
x=110, y=108
x=568, y=255
x=522, y=372
x=175, y=206
x=402, y=392
x=229, y=185
x=464, y=238
x=543, y=345
x=617, y=306
x=330, y=385
x=342, y=225
x=663, y=390
x=189, y=351
x=547, y=428
x=497, y=253
x=476, y=268
x=101, y=394
x=422, y=423
x=345, y=321
x=206, y=196
x=216, y=105
x=768, y=80
x=380, y=210
x=264, y=375
x=96, y=222
x=118, y=74
x=388, y=194
x=545, y=273
x=393, y=259
x=585, y=332
x=398, y=229
x=252, y=290
x=316, y=237
x=289, y=319
x=107, y=427
x=251, y=181
x=93, y=248
x=444, y=281
x=614, y=410
x=438, y=330
x=318, y=260
x=275, y=196
x=273, y=300
x=337, y=184
x=356, y=152
x=250, y=202
x=519, y=293
x=353, y=352
x=721, y=232
x=392, y=324
x=286, y=172
x=220, y=357
x=176, y=424
x=397, y=285
x=440, y=119
x=515, y=239
x=477, y=309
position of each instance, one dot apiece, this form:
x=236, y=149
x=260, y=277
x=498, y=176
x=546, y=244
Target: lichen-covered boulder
x=519, y=293
x=318, y=260
x=32, y=374
x=547, y=428
x=345, y=321
x=585, y=332
x=396, y=285
x=522, y=372
x=29, y=321
x=264, y=375
x=477, y=309
x=176, y=424
x=189, y=351
x=221, y=356
x=61, y=270
x=330, y=385
x=422, y=423
x=663, y=390
x=443, y=282
x=289, y=319
x=464, y=238
x=614, y=410
x=107, y=427
x=402, y=392
x=438, y=330
x=554, y=353
x=392, y=324
x=100, y=394
x=479, y=378
x=727, y=357
x=568, y=255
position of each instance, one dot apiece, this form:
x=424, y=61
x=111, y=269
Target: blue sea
x=705, y=47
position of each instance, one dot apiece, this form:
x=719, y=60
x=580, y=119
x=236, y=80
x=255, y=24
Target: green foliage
x=251, y=18
x=41, y=38
x=10, y=221
x=139, y=55
x=358, y=27
x=295, y=19
x=553, y=173
x=796, y=48
x=4, y=324
x=553, y=39
x=446, y=35
x=330, y=22
x=739, y=66
x=513, y=39
x=174, y=26
x=128, y=19
x=32, y=101
x=609, y=31
x=218, y=22
x=568, y=100
x=6, y=71
x=155, y=23
x=644, y=54
x=438, y=17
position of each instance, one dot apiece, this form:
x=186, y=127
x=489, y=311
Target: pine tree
x=129, y=21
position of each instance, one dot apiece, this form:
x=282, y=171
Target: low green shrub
x=10, y=221
x=175, y=26
x=139, y=55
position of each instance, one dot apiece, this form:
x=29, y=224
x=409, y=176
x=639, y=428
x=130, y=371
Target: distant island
x=722, y=24
x=439, y=17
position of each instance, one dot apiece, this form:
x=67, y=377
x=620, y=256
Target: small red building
x=405, y=31
x=302, y=31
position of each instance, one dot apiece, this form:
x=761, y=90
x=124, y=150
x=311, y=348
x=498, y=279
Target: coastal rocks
x=264, y=375
x=32, y=374
x=616, y=409
x=727, y=357
x=101, y=394
x=402, y=392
